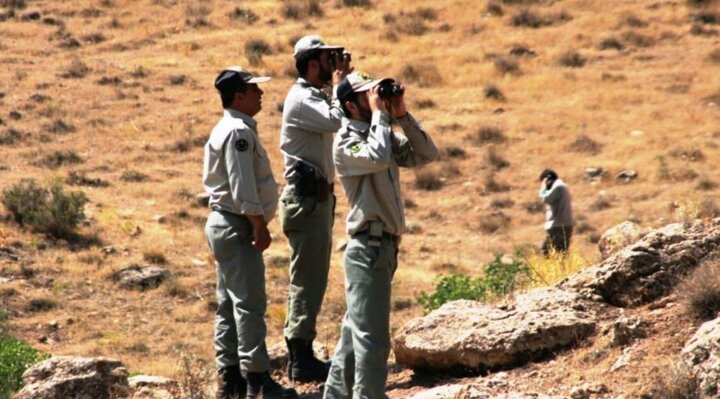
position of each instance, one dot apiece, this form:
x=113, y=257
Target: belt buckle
x=374, y=241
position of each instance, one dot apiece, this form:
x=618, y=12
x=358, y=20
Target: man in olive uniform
x=367, y=155
x=558, y=218
x=310, y=118
x=243, y=199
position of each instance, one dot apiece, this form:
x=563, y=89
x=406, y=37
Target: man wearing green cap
x=243, y=199
x=367, y=155
x=310, y=117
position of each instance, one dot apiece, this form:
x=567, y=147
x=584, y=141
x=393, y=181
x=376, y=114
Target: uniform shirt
x=367, y=157
x=308, y=123
x=236, y=168
x=557, y=197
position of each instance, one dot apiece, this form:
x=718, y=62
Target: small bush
x=700, y=291
x=134, y=176
x=585, y=144
x=638, y=39
x=40, y=305
x=13, y=4
x=15, y=357
x=714, y=56
x=699, y=3
x=502, y=203
x=611, y=43
x=551, y=269
x=506, y=65
x=59, y=126
x=57, y=159
x=493, y=186
x=356, y=3
x=499, y=279
x=193, y=378
x=600, y=204
x=455, y=152
x=706, y=18
x=527, y=18
x=255, y=50
x=76, y=70
x=155, y=257
x=494, y=8
x=495, y=160
x=489, y=134
x=493, y=92
x=632, y=20
x=245, y=15
x=428, y=180
x=678, y=383
x=494, y=222
x=50, y=211
x=81, y=179
x=11, y=137
x=706, y=184
x=425, y=104
x=572, y=59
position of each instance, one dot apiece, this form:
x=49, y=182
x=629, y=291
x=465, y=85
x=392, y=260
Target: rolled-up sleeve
x=416, y=148
x=239, y=161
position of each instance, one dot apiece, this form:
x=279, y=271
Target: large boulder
x=619, y=237
x=648, y=269
x=64, y=377
x=469, y=334
x=702, y=355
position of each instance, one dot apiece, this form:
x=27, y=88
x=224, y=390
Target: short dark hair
x=548, y=174
x=352, y=97
x=228, y=96
x=303, y=60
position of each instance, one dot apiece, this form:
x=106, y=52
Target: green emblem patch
x=241, y=145
x=355, y=149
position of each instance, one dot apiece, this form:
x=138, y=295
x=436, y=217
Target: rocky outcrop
x=702, y=355
x=648, y=269
x=619, y=237
x=469, y=334
x=475, y=391
x=63, y=377
x=141, y=277
x=153, y=387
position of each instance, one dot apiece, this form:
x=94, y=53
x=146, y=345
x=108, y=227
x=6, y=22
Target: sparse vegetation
x=11, y=137
x=493, y=92
x=572, y=59
x=700, y=291
x=495, y=160
x=506, y=65
x=585, y=144
x=155, y=257
x=424, y=74
x=60, y=158
x=714, y=56
x=678, y=383
x=494, y=8
x=455, y=152
x=255, y=50
x=489, y=135
x=76, y=70
x=134, y=176
x=356, y=3
x=245, y=15
x=47, y=210
x=493, y=222
x=499, y=278
x=15, y=357
x=427, y=179
x=611, y=43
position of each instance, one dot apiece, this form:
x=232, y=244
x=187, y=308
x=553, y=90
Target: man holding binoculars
x=307, y=202
x=367, y=155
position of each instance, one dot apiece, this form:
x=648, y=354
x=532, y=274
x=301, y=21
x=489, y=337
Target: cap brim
x=369, y=85
x=323, y=47
x=259, y=79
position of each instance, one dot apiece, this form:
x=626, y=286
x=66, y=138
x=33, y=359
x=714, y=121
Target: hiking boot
x=231, y=384
x=261, y=385
x=303, y=366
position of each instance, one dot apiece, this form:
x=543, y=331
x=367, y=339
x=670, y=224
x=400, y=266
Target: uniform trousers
x=307, y=223
x=239, y=320
x=359, y=365
x=557, y=239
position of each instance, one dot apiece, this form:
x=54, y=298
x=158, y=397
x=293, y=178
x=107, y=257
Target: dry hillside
x=115, y=98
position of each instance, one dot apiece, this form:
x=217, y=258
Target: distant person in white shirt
x=558, y=217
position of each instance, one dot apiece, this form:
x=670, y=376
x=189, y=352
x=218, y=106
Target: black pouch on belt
x=305, y=180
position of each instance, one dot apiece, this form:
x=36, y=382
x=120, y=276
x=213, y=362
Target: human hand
x=261, y=234
x=396, y=104
x=340, y=63
x=376, y=102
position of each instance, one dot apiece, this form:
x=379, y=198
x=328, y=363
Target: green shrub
x=499, y=279
x=15, y=357
x=46, y=210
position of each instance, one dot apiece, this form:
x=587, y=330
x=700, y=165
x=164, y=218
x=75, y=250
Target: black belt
x=385, y=235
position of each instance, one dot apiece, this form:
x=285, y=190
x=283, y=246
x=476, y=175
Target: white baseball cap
x=311, y=42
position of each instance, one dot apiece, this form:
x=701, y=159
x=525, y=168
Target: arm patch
x=241, y=145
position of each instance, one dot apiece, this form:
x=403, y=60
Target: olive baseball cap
x=357, y=82
x=312, y=42
x=231, y=78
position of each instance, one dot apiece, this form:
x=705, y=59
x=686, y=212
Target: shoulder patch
x=241, y=145
x=356, y=148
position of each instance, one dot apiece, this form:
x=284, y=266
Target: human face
x=325, y=73
x=250, y=102
x=363, y=106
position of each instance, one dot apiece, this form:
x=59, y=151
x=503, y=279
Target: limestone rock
x=702, y=355
x=141, y=277
x=648, y=269
x=625, y=330
x=64, y=377
x=469, y=334
x=475, y=391
x=626, y=176
x=619, y=237
x=149, y=386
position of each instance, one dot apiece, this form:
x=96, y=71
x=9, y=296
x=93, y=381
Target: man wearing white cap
x=243, y=199
x=307, y=203
x=367, y=155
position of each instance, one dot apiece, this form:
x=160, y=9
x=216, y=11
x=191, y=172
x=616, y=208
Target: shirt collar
x=358, y=126
x=232, y=113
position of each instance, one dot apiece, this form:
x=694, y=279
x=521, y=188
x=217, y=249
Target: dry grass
x=700, y=291
x=555, y=267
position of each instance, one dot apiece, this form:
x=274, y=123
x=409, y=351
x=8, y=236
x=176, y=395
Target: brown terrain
x=114, y=98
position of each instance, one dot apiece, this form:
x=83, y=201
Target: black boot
x=290, y=359
x=231, y=384
x=261, y=385
x=305, y=367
